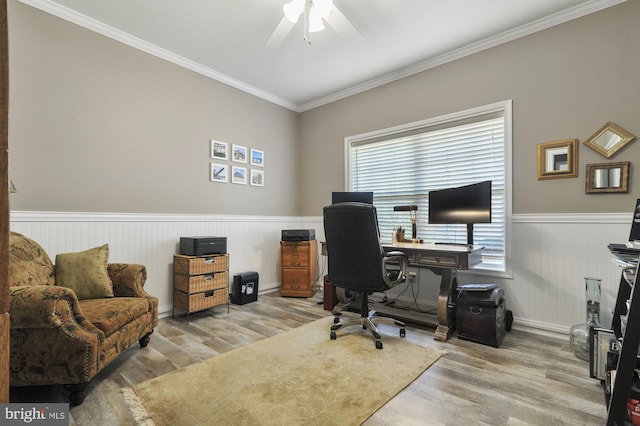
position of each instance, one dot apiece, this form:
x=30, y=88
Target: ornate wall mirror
x=558, y=159
x=607, y=177
x=609, y=139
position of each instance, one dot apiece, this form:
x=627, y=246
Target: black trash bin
x=245, y=288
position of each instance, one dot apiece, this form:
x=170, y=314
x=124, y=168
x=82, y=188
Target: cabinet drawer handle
x=209, y=260
x=477, y=310
x=208, y=277
x=295, y=263
x=208, y=293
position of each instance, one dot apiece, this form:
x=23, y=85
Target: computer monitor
x=466, y=204
x=352, y=197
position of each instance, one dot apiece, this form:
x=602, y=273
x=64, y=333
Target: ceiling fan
x=314, y=13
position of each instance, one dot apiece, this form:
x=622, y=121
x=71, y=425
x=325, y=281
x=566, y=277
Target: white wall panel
x=551, y=254
x=253, y=242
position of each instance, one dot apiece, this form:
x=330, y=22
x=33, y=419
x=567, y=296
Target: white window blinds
x=401, y=167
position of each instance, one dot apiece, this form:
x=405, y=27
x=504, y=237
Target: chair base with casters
x=366, y=321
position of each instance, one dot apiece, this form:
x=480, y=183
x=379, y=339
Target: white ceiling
x=225, y=39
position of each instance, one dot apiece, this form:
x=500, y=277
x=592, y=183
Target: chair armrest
x=395, y=253
x=47, y=306
x=397, y=258
x=128, y=279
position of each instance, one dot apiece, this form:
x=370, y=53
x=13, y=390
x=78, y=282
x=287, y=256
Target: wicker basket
x=201, y=301
x=197, y=265
x=198, y=283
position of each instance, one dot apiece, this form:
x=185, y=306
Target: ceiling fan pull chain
x=307, y=10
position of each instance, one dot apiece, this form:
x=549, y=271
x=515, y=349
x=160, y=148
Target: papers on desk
x=623, y=263
x=633, y=244
x=626, y=257
x=625, y=253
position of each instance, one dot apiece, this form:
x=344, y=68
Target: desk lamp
x=412, y=213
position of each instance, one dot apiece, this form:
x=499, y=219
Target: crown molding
x=70, y=15
x=89, y=23
x=470, y=49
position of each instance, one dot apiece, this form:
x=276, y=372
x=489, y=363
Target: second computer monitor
x=351, y=197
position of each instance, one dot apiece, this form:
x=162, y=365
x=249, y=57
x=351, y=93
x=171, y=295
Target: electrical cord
x=321, y=275
x=414, y=306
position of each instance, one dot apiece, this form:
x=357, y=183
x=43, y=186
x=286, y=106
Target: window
x=402, y=164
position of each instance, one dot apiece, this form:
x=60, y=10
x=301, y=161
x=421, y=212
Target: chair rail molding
x=153, y=238
x=551, y=254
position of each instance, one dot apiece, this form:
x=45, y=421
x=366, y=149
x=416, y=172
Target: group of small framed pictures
x=220, y=171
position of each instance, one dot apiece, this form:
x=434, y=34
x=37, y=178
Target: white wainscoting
x=550, y=254
x=253, y=242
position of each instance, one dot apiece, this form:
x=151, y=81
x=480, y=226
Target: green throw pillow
x=85, y=273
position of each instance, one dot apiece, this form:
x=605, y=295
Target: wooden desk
x=443, y=260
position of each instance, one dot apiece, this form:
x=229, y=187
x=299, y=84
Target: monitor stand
x=469, y=238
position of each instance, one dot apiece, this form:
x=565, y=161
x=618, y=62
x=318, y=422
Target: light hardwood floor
x=529, y=380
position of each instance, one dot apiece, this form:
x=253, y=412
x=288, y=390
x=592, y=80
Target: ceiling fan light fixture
x=293, y=10
x=315, y=22
x=322, y=7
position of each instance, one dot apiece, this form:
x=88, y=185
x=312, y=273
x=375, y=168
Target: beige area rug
x=298, y=377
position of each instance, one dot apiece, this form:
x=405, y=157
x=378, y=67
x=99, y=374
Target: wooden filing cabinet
x=200, y=282
x=299, y=267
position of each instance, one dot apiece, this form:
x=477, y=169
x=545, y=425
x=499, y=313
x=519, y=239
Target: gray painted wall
x=565, y=82
x=99, y=126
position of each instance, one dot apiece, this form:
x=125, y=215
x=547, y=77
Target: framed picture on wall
x=239, y=175
x=219, y=173
x=257, y=177
x=219, y=150
x=239, y=153
x=257, y=157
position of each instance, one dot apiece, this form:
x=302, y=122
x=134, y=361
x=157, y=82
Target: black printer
x=298, y=234
x=198, y=246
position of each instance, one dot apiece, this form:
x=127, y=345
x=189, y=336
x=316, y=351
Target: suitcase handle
x=476, y=310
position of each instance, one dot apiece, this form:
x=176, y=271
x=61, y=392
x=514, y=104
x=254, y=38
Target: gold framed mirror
x=607, y=177
x=609, y=139
x=558, y=159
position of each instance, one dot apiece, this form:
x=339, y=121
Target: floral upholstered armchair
x=71, y=319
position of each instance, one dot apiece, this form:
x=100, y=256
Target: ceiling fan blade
x=280, y=33
x=343, y=26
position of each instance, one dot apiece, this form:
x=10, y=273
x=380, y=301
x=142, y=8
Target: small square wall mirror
x=558, y=159
x=609, y=139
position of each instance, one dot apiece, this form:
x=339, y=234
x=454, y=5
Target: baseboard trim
x=541, y=329
x=526, y=326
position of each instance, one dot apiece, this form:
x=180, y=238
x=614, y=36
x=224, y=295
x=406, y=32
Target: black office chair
x=358, y=264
